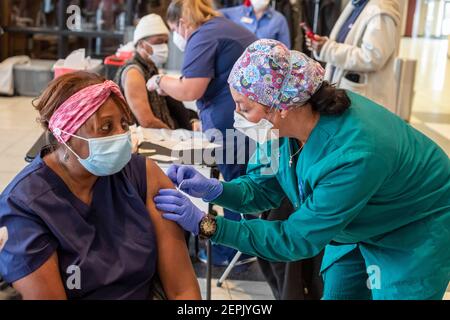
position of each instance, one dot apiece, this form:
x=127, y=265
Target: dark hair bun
x=330, y=100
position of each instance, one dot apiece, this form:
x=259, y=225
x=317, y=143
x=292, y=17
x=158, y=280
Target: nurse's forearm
x=271, y=240
x=183, y=89
x=244, y=196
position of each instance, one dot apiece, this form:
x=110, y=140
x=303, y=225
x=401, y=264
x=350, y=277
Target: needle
x=179, y=186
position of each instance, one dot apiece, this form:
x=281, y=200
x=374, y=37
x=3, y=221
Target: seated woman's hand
x=194, y=183
x=177, y=207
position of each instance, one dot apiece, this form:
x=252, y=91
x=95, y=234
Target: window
x=446, y=20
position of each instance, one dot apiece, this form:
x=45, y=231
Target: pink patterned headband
x=76, y=110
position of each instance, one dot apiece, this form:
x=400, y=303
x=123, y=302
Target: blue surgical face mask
x=107, y=155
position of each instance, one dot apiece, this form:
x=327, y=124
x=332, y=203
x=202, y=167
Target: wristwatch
x=158, y=80
x=207, y=226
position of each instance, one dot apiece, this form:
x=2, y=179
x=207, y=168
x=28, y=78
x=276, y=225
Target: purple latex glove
x=194, y=183
x=177, y=207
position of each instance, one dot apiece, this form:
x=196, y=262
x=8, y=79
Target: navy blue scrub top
x=111, y=243
x=211, y=52
x=272, y=24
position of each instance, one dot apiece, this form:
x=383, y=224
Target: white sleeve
x=379, y=42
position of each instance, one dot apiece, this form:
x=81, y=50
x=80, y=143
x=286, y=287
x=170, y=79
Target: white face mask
x=160, y=54
x=260, y=4
x=261, y=132
x=179, y=41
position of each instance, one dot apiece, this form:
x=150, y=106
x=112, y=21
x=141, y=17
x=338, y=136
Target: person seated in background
x=152, y=109
x=81, y=218
x=261, y=19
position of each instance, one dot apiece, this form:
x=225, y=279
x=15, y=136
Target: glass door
x=446, y=20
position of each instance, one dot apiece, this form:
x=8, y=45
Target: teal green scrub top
x=364, y=179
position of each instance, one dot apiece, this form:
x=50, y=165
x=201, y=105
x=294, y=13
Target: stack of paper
x=177, y=140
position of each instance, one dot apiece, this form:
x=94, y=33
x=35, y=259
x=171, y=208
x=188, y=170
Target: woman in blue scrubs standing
x=211, y=45
x=261, y=19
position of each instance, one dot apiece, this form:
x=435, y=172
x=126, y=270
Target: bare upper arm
x=156, y=180
x=136, y=95
x=43, y=284
x=174, y=265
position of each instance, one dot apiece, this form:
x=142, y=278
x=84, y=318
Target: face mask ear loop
x=178, y=26
x=58, y=131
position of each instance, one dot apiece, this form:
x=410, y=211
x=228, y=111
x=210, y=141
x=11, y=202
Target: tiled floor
x=19, y=129
x=238, y=290
x=431, y=115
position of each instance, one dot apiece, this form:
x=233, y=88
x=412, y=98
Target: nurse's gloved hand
x=177, y=207
x=194, y=183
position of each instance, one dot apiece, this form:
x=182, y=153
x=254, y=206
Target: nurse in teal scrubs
x=366, y=186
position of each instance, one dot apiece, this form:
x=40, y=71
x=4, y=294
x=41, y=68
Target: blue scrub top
x=272, y=25
x=112, y=241
x=211, y=52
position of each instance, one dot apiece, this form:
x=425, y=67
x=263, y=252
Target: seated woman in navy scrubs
x=81, y=219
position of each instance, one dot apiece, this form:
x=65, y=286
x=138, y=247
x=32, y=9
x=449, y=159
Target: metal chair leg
x=234, y=263
x=215, y=173
x=228, y=269
x=196, y=246
x=208, y=270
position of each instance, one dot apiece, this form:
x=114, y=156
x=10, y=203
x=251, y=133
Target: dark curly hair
x=330, y=100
